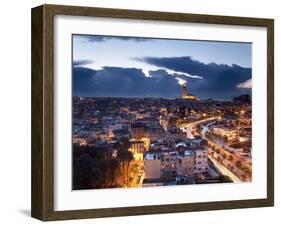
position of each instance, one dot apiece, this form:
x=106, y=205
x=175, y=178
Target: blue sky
x=194, y=62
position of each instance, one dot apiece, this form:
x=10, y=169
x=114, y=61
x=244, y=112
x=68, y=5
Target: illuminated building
x=152, y=166
x=138, y=131
x=137, y=149
x=200, y=160
x=186, y=95
x=231, y=134
x=186, y=163
x=170, y=164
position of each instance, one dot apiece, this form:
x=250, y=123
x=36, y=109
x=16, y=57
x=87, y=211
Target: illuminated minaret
x=184, y=91
x=185, y=94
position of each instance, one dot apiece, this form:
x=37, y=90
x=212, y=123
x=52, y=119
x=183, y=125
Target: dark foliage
x=93, y=168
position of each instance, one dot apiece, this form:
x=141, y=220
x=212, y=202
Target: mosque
x=187, y=96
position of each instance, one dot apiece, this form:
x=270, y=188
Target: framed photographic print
x=141, y=112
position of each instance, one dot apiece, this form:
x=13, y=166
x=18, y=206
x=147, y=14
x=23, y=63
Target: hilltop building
x=186, y=95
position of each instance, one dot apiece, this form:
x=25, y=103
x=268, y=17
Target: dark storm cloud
x=82, y=81
x=123, y=82
x=219, y=80
x=100, y=38
x=81, y=62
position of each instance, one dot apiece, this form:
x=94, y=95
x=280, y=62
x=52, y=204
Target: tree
x=114, y=172
x=230, y=158
x=238, y=164
x=94, y=168
x=87, y=173
x=218, y=151
x=124, y=156
x=246, y=170
x=225, y=138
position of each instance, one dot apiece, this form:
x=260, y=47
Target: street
x=188, y=127
x=221, y=168
x=224, y=171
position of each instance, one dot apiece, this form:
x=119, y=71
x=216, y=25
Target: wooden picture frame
x=43, y=112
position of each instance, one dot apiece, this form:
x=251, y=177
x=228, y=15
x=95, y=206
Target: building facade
x=152, y=166
x=137, y=149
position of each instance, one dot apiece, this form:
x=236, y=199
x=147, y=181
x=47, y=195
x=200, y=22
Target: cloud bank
x=77, y=63
x=215, y=81
x=245, y=85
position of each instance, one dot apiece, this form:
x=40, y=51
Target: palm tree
x=230, y=158
x=218, y=151
x=114, y=169
x=225, y=138
x=238, y=164
x=246, y=170
x=124, y=156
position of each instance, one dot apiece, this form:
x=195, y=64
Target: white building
x=186, y=164
x=170, y=163
x=200, y=160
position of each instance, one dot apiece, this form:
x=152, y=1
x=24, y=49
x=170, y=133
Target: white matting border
x=66, y=199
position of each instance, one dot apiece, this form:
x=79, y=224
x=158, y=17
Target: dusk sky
x=145, y=67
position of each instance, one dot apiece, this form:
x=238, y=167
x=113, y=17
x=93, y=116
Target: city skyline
x=152, y=112
x=133, y=142
x=105, y=66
